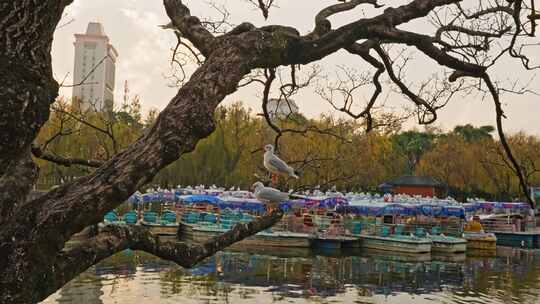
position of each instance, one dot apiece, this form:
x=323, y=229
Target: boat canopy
x=244, y=204
x=403, y=209
x=168, y=196
x=472, y=207
x=199, y=198
x=233, y=203
x=378, y=209
x=361, y=204
x=320, y=202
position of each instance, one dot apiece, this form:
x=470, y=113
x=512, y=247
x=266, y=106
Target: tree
x=456, y=162
x=526, y=148
x=412, y=145
x=470, y=133
x=33, y=230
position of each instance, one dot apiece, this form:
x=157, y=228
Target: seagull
x=276, y=165
x=270, y=195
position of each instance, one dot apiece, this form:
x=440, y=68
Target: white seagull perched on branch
x=270, y=195
x=276, y=165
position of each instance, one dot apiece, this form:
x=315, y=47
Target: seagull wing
x=271, y=195
x=279, y=164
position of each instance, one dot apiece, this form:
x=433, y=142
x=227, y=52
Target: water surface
x=302, y=276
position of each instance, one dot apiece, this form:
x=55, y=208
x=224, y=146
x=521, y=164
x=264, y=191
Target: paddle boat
x=443, y=243
x=477, y=238
x=164, y=225
x=512, y=223
x=377, y=227
x=397, y=242
x=200, y=228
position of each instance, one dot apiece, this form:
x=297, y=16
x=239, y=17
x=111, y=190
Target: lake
x=303, y=276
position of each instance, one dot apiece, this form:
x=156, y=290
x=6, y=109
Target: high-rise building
x=94, y=69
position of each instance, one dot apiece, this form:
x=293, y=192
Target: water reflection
x=298, y=276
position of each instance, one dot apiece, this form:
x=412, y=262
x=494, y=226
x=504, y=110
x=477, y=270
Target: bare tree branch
x=39, y=152
x=502, y=137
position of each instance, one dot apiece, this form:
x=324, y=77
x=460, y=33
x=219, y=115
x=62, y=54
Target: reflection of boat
x=448, y=257
x=389, y=256
x=447, y=244
x=279, y=252
x=397, y=243
x=481, y=253
x=480, y=240
x=279, y=239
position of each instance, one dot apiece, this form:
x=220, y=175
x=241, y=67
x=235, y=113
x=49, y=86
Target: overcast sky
x=144, y=56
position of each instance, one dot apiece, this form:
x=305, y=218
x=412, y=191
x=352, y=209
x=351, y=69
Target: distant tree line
x=333, y=152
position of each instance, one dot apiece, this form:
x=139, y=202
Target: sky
x=145, y=52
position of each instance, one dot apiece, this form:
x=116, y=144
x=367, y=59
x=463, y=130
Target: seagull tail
x=296, y=196
x=295, y=174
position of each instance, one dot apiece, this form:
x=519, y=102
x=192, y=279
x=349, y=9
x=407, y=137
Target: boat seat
x=111, y=217
x=190, y=218
x=208, y=217
x=150, y=217
x=435, y=230
x=130, y=217
x=227, y=223
x=168, y=217
x=357, y=228
x=398, y=230
x=420, y=232
x=385, y=231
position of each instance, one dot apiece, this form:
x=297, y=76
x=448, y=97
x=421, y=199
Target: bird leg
x=275, y=179
x=270, y=207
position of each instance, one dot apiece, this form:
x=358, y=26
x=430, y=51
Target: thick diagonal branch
x=189, y=26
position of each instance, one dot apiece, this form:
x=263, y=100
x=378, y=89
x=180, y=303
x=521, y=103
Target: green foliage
x=470, y=133
x=333, y=152
x=412, y=145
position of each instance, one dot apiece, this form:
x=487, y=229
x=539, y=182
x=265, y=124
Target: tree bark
x=15, y=185
x=27, y=87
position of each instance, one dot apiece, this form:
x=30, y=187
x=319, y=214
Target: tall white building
x=94, y=68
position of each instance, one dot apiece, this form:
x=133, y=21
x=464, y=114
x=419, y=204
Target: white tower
x=94, y=68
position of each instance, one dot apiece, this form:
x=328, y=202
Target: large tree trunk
x=39, y=228
x=27, y=88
